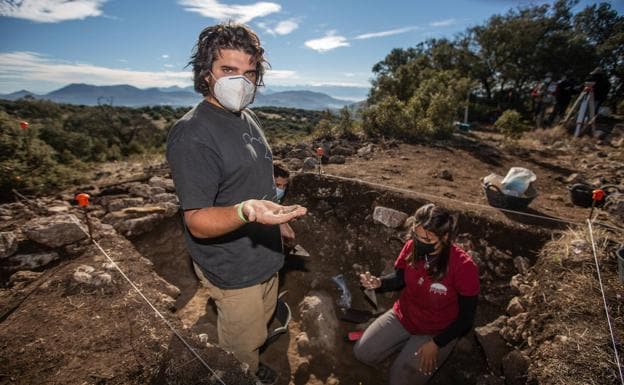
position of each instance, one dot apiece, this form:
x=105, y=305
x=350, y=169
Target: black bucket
x=581, y=194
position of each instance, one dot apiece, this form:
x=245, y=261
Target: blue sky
x=47, y=44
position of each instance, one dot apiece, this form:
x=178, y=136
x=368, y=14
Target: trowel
x=371, y=296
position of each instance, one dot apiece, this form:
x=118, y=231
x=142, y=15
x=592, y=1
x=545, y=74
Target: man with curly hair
x=222, y=167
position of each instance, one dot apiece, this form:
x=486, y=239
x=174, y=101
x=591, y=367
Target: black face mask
x=423, y=249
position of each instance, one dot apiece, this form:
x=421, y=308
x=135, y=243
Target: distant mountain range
x=125, y=95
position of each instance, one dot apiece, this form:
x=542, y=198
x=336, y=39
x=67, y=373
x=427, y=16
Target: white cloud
x=280, y=75
x=30, y=67
x=442, y=23
x=282, y=28
x=285, y=27
x=327, y=43
x=384, y=33
x=164, y=56
x=51, y=11
x=168, y=65
x=239, y=13
x=338, y=84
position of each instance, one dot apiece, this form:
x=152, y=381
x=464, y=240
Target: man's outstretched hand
x=271, y=213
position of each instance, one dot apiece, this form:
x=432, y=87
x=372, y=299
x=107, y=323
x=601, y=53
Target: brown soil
x=61, y=333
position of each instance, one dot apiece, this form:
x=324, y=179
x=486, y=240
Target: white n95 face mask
x=234, y=92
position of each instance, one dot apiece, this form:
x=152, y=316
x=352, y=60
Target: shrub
x=323, y=130
x=510, y=124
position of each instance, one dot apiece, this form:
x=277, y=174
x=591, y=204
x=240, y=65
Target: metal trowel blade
x=372, y=296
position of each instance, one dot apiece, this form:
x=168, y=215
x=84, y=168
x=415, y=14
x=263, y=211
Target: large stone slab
x=389, y=217
x=55, y=231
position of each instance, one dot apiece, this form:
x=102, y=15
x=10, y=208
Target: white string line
x=604, y=301
x=73, y=218
x=460, y=201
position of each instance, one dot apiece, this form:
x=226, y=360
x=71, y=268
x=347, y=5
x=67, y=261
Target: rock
x=318, y=320
x=337, y=159
x=88, y=275
x=327, y=151
x=574, y=178
x=170, y=208
x=521, y=264
x=515, y=368
x=446, y=175
x=137, y=226
x=24, y=276
x=303, y=343
x=8, y=244
x=389, y=217
x=515, y=283
x=57, y=209
x=493, y=344
x=166, y=184
x=366, y=150
x=55, y=231
x=515, y=326
x=31, y=261
x=614, y=205
x=169, y=289
x=165, y=197
x=309, y=164
x=144, y=190
x=342, y=150
x=122, y=203
x=294, y=164
x=515, y=307
x=300, y=153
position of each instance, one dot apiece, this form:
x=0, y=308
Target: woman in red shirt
x=437, y=304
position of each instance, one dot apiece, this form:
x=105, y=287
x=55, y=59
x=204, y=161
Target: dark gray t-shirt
x=218, y=158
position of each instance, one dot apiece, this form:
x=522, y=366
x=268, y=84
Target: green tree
x=345, y=124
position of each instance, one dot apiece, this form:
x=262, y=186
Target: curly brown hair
x=224, y=36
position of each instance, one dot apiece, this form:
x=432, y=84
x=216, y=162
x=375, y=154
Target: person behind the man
x=281, y=177
x=222, y=168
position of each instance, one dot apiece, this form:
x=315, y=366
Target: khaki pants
x=243, y=316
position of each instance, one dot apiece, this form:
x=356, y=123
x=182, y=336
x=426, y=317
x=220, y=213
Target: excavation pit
x=339, y=232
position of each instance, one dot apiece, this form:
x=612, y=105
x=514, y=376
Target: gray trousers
x=385, y=336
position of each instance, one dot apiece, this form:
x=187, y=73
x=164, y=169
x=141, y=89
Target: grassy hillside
x=62, y=140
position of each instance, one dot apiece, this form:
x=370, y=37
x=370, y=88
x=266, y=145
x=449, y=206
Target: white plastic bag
x=517, y=181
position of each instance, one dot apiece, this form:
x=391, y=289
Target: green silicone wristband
x=239, y=210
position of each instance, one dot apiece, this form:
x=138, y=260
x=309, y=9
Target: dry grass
x=571, y=343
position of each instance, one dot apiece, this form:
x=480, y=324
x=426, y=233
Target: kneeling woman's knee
x=362, y=353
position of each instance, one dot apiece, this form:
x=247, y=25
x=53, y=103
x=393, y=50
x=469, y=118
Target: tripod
x=585, y=109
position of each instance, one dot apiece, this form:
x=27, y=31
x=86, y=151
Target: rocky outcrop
x=55, y=231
